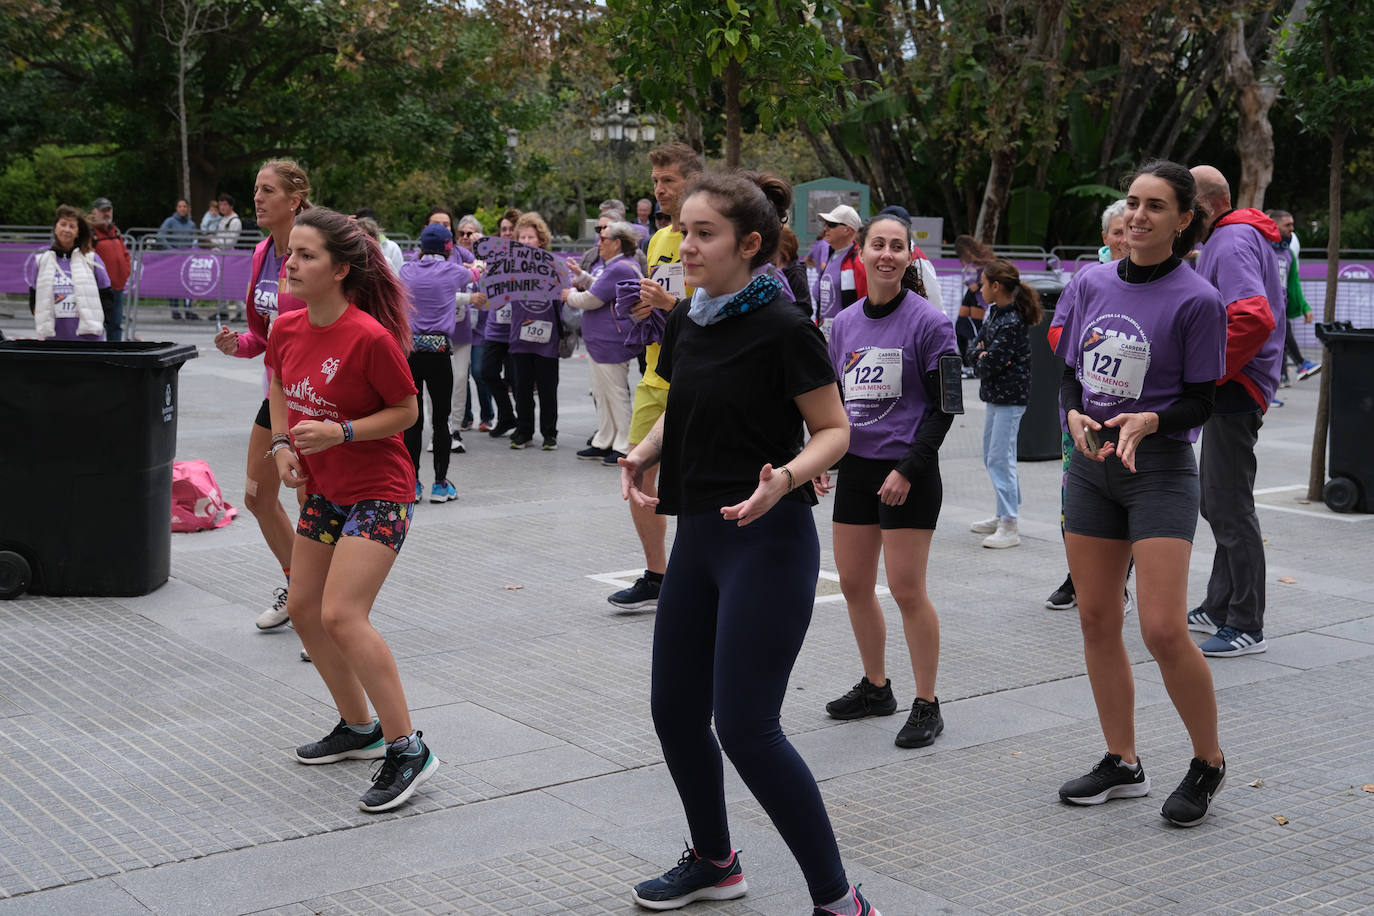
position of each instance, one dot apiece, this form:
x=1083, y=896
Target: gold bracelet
x=791, y=481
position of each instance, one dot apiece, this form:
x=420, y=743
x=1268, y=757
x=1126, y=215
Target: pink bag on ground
x=197, y=503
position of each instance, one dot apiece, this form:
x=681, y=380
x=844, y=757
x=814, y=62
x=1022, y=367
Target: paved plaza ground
x=146, y=743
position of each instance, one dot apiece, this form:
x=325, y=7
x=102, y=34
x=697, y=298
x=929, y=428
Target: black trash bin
x=1038, y=439
x=89, y=432
x=1350, y=443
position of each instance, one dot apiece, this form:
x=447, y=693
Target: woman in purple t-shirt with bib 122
x=888, y=350
x=1144, y=342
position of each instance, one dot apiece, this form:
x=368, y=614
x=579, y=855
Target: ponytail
x=1026, y=299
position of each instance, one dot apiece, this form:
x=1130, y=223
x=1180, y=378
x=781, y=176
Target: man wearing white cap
x=842, y=279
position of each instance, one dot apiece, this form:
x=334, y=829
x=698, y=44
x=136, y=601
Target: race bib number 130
x=536, y=331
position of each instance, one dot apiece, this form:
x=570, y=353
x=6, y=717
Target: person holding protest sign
x=534, y=347
x=341, y=395
x=749, y=373
x=282, y=190
x=617, y=245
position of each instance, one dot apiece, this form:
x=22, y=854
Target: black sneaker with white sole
x=864, y=699
x=643, y=595
x=1187, y=807
x=399, y=774
x=693, y=878
x=1064, y=597
x=343, y=743
x=1109, y=779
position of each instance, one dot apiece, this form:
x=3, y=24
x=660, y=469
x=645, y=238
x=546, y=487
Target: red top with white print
x=349, y=369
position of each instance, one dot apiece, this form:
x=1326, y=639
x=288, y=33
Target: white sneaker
x=1004, y=536
x=276, y=615
x=986, y=526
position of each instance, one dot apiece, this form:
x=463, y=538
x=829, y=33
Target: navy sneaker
x=640, y=596
x=592, y=453
x=1109, y=779
x=343, y=743
x=399, y=775
x=612, y=459
x=1230, y=642
x=864, y=699
x=1188, y=805
x=864, y=907
x=692, y=878
x=1200, y=621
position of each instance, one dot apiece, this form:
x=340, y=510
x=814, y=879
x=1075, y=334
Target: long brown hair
x=369, y=284
x=1027, y=300
x=971, y=251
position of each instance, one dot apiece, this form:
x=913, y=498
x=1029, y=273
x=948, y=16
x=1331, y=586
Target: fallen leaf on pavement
x=1256, y=784
x=1287, y=580
x=1368, y=787
x=1281, y=819
x=511, y=588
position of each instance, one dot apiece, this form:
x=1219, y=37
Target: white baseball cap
x=845, y=215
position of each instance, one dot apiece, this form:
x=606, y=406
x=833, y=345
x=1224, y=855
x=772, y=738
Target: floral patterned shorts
x=377, y=520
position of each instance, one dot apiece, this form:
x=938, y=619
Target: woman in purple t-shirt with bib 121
x=1144, y=342
x=888, y=350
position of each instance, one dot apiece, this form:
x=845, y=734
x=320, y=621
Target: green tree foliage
x=361, y=92
x=768, y=55
x=1329, y=75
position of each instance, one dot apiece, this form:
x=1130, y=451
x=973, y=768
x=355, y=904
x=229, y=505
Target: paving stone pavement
x=146, y=742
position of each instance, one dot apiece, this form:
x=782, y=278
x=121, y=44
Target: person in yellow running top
x=672, y=167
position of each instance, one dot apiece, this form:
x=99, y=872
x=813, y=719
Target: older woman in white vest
x=71, y=290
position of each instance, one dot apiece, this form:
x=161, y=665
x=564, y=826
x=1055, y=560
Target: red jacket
x=109, y=244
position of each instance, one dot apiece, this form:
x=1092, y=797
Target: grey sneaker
x=343, y=743
x=276, y=615
x=399, y=775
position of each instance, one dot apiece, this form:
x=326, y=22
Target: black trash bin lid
x=137, y=354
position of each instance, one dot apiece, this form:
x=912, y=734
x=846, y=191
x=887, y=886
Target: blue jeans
x=999, y=455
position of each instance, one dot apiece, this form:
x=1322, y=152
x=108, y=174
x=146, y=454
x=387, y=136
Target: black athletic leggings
x=435, y=372
x=732, y=614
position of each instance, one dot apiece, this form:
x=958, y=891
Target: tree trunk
x=732, y=118
x=1254, y=134
x=995, y=197
x=1316, y=477
x=181, y=118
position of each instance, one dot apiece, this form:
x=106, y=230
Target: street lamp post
x=512, y=141
x=621, y=130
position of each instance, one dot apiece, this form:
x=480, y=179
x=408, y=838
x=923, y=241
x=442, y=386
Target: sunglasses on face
x=830, y=225
x=468, y=233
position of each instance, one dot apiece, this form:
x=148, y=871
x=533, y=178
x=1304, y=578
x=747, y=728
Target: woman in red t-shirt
x=341, y=395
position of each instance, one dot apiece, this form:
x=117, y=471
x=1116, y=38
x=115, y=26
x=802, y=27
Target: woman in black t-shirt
x=747, y=371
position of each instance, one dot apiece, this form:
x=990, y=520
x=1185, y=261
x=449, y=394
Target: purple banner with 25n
x=190, y=273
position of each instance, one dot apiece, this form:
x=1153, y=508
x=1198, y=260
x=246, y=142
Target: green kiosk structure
x=812, y=198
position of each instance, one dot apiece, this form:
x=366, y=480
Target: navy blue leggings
x=732, y=614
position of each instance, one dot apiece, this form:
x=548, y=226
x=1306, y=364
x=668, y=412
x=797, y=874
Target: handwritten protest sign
x=518, y=272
